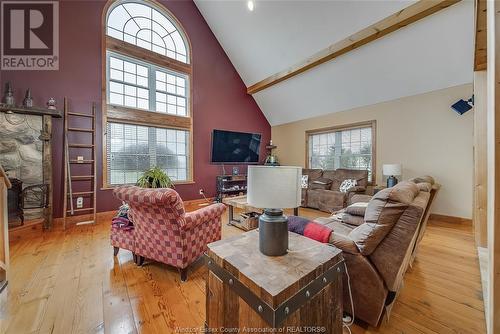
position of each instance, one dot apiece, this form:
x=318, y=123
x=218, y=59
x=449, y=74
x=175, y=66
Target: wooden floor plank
x=69, y=282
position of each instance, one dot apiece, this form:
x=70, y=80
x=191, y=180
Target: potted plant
x=155, y=178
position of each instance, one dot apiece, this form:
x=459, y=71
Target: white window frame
x=151, y=82
x=337, y=130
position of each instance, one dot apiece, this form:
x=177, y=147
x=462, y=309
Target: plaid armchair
x=164, y=232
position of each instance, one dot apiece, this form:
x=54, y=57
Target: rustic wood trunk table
x=300, y=292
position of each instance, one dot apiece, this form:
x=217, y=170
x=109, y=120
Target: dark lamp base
x=273, y=233
x=391, y=181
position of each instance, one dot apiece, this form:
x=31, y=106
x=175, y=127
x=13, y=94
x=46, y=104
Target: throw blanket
x=308, y=228
x=122, y=220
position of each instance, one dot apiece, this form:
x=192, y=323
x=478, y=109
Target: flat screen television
x=235, y=147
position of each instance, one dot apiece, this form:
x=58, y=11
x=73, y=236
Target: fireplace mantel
x=31, y=111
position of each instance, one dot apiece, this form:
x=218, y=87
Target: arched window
x=146, y=27
x=147, y=76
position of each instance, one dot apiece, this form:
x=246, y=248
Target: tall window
x=350, y=146
x=147, y=81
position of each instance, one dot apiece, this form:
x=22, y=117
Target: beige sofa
x=323, y=188
x=378, y=247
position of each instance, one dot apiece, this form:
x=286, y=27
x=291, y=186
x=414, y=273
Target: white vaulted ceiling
x=433, y=53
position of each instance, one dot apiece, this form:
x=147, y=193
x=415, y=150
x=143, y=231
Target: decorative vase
x=28, y=100
x=51, y=104
x=9, y=95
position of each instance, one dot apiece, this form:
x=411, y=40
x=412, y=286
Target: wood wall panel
x=479, y=213
x=493, y=138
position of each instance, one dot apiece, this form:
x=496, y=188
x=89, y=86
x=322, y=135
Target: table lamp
x=391, y=170
x=273, y=188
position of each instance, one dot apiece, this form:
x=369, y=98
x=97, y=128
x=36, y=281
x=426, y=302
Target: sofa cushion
x=341, y=174
x=312, y=197
x=313, y=174
x=330, y=174
x=382, y=212
x=336, y=225
x=352, y=219
x=331, y=201
x=343, y=242
x=360, y=198
x=339, y=237
x=424, y=186
x=422, y=179
x=304, y=181
x=347, y=184
x=321, y=183
x=357, y=209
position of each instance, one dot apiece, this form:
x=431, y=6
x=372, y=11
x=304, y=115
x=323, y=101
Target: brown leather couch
x=378, y=248
x=323, y=191
x=425, y=183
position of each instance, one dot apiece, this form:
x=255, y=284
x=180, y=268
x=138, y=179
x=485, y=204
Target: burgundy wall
x=219, y=95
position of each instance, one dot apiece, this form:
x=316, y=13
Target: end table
x=298, y=292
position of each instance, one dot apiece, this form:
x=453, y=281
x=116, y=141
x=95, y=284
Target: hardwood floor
x=69, y=282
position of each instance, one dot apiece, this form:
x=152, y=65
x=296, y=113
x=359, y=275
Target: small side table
x=300, y=290
x=241, y=203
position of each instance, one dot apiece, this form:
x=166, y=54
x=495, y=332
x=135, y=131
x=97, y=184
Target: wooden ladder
x=70, y=160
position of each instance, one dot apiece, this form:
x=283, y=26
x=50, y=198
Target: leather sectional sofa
x=379, y=247
x=323, y=188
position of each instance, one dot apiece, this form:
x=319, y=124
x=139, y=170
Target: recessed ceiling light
x=250, y=5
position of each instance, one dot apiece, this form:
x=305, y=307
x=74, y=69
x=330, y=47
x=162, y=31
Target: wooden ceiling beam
x=480, y=51
x=396, y=21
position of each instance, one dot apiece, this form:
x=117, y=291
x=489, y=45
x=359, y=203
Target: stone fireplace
x=21, y=155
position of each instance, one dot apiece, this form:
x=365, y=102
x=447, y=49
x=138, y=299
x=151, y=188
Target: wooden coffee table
x=301, y=290
x=240, y=202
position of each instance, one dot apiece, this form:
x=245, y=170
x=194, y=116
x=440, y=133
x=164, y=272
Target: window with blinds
x=132, y=149
x=349, y=147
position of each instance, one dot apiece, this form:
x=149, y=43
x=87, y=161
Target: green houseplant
x=155, y=178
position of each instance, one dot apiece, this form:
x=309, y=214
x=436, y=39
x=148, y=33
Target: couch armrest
x=343, y=243
x=203, y=215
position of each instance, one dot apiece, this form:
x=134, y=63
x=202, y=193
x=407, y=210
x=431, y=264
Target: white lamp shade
x=391, y=169
x=274, y=187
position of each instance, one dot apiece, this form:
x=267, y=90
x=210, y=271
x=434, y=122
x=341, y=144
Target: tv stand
x=227, y=185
